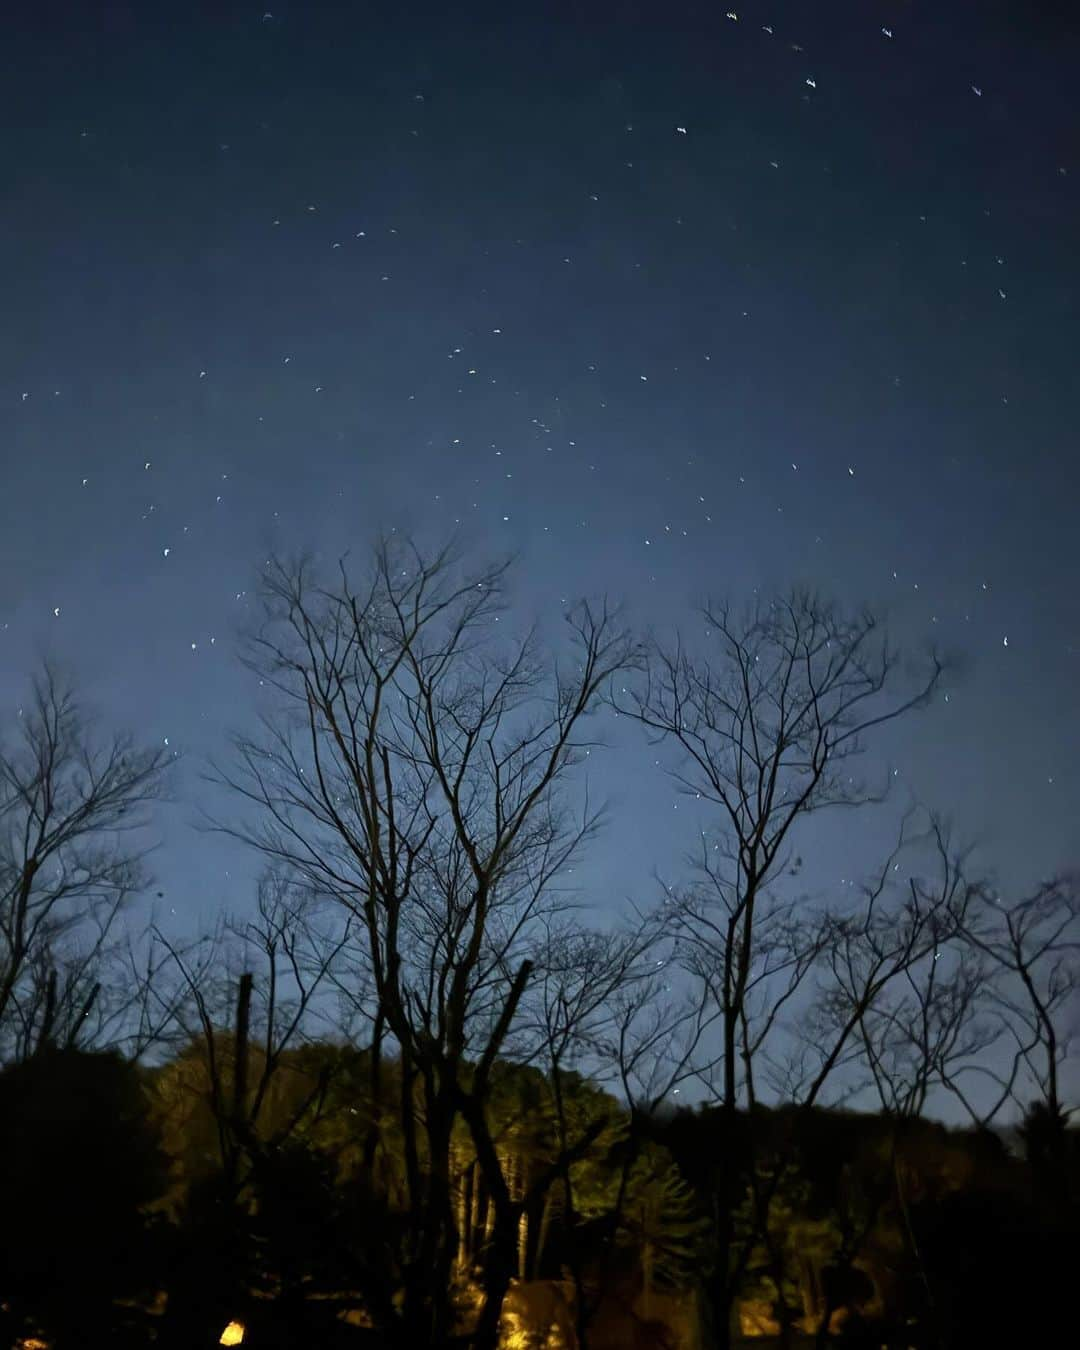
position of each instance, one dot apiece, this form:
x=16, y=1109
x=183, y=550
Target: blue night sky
x=671, y=302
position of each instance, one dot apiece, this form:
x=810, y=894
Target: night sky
x=671, y=302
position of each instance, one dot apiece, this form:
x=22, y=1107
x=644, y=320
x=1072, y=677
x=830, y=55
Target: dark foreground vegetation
x=134, y=1230
x=418, y=1094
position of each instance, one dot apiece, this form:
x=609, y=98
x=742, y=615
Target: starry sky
x=671, y=301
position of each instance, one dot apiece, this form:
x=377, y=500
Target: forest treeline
x=417, y=1093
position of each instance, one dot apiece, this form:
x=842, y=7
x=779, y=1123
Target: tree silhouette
x=71, y=852
x=1032, y=952
x=79, y=1162
x=415, y=772
x=765, y=731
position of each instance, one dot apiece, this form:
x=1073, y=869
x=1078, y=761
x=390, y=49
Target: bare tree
x=253, y=996
x=884, y=1003
x=113, y=989
x=928, y=1027
x=72, y=847
x=598, y=1006
x=767, y=734
x=766, y=731
x=419, y=781
x=251, y=1079
x=1031, y=954
x=893, y=1005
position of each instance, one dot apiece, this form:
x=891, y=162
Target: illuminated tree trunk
x=810, y=1292
x=481, y=1208
x=541, y=1236
x=521, y=1178
x=461, y=1207
x=468, y=1214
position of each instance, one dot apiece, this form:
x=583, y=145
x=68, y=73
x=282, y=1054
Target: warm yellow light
x=233, y=1334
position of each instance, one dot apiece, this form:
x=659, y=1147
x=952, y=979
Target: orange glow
x=233, y=1334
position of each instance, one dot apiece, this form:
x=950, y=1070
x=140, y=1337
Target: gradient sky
x=671, y=301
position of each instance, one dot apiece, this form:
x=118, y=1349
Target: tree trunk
x=719, y=1290
x=468, y=1214
x=461, y=1206
x=501, y=1251
x=428, y=1311
x=482, y=1205
x=541, y=1236
x=498, y=1272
